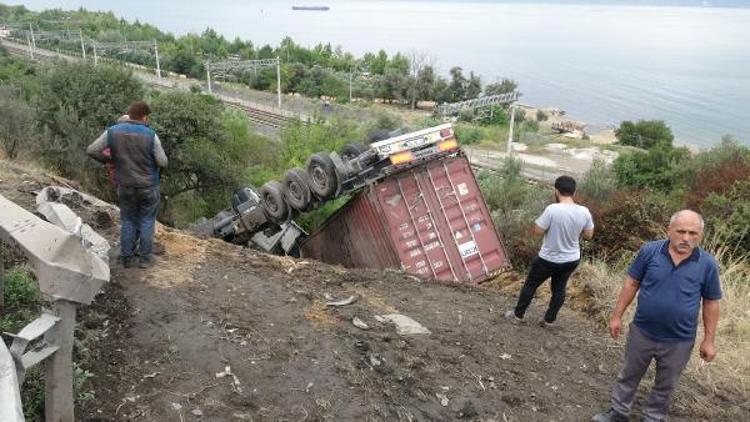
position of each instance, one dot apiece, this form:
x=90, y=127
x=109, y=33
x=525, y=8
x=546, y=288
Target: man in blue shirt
x=137, y=155
x=672, y=277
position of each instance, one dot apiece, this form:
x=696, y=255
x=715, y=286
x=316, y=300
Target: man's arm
x=537, y=231
x=159, y=154
x=96, y=149
x=588, y=234
x=627, y=294
x=710, y=321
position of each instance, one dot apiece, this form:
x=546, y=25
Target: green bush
x=599, y=182
x=729, y=214
x=22, y=299
x=628, y=219
x=468, y=135
x=17, y=123
x=541, y=116
x=75, y=102
x=514, y=204
x=530, y=126
x=644, y=134
x=661, y=168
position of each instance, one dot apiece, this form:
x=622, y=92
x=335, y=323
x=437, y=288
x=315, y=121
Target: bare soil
x=216, y=332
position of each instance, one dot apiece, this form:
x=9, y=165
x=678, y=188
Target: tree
x=376, y=63
x=503, y=87
x=75, y=102
x=426, y=80
x=184, y=63
x=473, y=86
x=644, y=133
x=207, y=146
x=457, y=85
x=418, y=61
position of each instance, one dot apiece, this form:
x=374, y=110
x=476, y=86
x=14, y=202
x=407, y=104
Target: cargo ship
x=315, y=8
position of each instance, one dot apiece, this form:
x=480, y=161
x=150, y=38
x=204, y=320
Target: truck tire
x=272, y=201
x=296, y=186
x=352, y=150
x=323, y=179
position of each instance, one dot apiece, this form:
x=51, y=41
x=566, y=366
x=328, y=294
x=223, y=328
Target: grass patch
x=22, y=299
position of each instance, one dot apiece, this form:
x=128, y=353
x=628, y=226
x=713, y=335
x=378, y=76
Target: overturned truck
x=416, y=206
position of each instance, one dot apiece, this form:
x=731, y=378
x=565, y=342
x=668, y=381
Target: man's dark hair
x=566, y=185
x=138, y=110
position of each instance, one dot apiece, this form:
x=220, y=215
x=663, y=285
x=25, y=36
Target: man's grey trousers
x=640, y=350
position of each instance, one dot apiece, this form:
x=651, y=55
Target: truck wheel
x=272, y=201
x=296, y=186
x=323, y=179
x=352, y=150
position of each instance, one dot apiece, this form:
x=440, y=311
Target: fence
x=69, y=275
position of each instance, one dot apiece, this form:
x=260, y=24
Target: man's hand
x=615, y=327
x=708, y=350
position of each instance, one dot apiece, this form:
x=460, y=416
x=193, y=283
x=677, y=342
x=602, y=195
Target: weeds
x=22, y=299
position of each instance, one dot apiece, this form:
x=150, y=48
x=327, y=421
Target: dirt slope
x=159, y=337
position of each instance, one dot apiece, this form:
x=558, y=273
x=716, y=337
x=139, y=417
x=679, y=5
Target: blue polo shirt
x=670, y=297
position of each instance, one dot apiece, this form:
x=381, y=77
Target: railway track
x=263, y=117
x=257, y=113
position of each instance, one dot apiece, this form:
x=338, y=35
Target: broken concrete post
x=62, y=216
x=58, y=399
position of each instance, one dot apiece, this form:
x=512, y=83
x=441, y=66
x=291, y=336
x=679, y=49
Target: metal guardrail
x=69, y=275
x=489, y=100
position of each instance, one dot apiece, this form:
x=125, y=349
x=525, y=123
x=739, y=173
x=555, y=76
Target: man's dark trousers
x=541, y=270
x=138, y=208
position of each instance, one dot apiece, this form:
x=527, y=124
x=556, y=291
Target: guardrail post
x=59, y=400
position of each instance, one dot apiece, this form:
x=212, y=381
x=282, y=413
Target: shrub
x=644, y=134
x=17, y=123
x=468, y=135
x=660, y=168
x=541, y=116
x=628, y=219
x=599, y=183
x=530, y=126
x=75, y=102
x=729, y=213
x=716, y=170
x=514, y=204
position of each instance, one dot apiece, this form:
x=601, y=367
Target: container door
x=463, y=218
x=413, y=228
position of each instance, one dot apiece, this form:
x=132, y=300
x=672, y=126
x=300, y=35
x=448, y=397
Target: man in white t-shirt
x=562, y=225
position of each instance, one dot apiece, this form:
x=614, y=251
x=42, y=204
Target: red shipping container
x=430, y=221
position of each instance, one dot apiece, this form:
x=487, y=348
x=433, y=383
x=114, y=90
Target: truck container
x=430, y=221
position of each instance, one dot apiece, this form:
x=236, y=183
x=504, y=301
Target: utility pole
x=351, y=76
x=208, y=76
x=510, y=131
x=156, y=51
x=278, y=79
x=33, y=40
x=83, y=47
x=31, y=52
